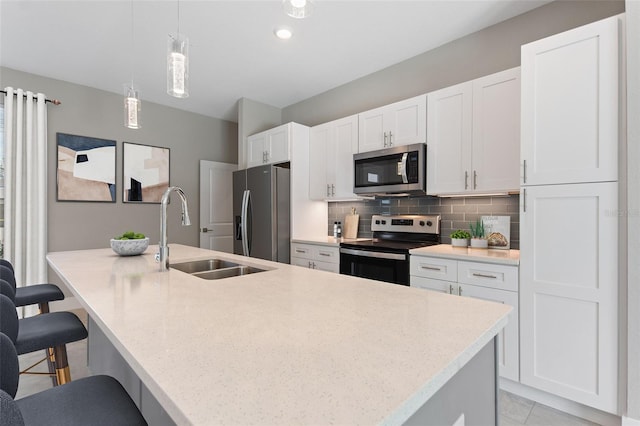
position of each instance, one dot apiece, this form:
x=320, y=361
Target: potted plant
x=460, y=238
x=478, y=239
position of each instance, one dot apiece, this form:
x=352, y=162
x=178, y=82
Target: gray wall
x=254, y=117
x=89, y=112
x=487, y=51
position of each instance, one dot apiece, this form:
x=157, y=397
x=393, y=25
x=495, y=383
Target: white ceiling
x=234, y=53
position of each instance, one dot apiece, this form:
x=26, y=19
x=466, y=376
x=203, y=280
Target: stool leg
x=49, y=353
x=63, y=375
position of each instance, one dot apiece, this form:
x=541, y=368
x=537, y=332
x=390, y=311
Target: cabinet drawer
x=488, y=275
x=304, y=251
x=327, y=254
x=432, y=267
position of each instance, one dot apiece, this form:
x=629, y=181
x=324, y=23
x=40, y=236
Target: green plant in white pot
x=460, y=238
x=478, y=239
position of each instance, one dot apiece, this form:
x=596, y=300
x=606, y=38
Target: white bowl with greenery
x=130, y=244
x=460, y=238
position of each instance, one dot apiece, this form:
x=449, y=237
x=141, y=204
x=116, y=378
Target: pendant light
x=132, y=105
x=298, y=9
x=178, y=63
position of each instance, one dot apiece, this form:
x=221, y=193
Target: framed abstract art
x=145, y=171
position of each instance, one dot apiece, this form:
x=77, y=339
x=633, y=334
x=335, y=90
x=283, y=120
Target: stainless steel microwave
x=401, y=170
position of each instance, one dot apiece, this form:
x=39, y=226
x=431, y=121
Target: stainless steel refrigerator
x=261, y=208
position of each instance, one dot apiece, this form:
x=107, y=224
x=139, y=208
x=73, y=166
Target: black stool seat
x=38, y=293
x=48, y=330
x=95, y=400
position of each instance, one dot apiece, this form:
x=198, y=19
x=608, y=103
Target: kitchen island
x=288, y=345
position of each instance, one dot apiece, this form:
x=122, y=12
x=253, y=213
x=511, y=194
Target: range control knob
x=422, y=223
x=384, y=222
x=377, y=222
x=429, y=223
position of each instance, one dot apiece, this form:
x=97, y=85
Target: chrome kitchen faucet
x=163, y=252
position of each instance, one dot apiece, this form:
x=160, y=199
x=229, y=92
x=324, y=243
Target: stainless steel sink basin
x=228, y=272
x=214, y=269
x=203, y=265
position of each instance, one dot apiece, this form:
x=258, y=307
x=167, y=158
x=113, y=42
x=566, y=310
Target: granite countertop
x=501, y=257
x=329, y=241
x=287, y=346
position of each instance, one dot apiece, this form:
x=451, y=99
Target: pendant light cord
x=133, y=43
x=178, y=33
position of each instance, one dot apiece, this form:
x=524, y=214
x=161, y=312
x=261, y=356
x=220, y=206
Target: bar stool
x=52, y=330
x=91, y=401
x=40, y=294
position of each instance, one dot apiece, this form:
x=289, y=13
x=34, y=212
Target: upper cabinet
x=331, y=150
x=269, y=147
x=473, y=136
x=400, y=123
x=570, y=106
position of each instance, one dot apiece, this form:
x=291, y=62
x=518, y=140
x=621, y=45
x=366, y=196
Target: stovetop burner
x=400, y=233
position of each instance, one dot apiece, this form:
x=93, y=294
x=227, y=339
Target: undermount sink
x=202, y=265
x=214, y=269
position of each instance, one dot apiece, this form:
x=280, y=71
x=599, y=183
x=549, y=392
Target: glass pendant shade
x=132, y=106
x=178, y=66
x=298, y=9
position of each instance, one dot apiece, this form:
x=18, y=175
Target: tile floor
x=514, y=410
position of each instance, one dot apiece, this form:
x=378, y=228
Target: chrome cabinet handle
x=333, y=190
x=390, y=138
x=466, y=179
x=431, y=268
x=484, y=275
x=450, y=288
x=475, y=179
x=385, y=139
x=524, y=171
x=459, y=291
x=300, y=251
x=524, y=200
x=324, y=254
x=328, y=191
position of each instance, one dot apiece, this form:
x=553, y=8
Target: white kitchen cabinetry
x=473, y=136
x=569, y=233
x=400, y=123
x=497, y=283
x=569, y=291
x=570, y=106
x=316, y=256
x=331, y=150
x=269, y=147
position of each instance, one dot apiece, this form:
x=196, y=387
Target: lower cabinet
x=316, y=256
x=497, y=283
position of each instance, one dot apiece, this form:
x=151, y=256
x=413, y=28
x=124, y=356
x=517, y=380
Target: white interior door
x=216, y=205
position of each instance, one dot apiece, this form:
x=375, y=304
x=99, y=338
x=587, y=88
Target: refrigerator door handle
x=243, y=223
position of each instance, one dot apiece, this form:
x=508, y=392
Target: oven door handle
x=376, y=254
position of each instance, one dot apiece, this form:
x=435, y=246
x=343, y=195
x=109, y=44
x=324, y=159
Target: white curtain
x=25, y=208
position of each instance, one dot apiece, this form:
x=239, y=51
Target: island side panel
x=472, y=392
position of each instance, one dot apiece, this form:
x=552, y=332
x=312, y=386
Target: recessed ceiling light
x=283, y=33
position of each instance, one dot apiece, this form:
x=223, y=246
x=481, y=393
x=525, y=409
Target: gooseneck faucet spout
x=163, y=252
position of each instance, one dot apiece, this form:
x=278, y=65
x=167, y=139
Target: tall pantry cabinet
x=568, y=214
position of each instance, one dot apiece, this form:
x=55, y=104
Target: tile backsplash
x=456, y=213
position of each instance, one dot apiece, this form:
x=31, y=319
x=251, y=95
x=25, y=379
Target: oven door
x=376, y=265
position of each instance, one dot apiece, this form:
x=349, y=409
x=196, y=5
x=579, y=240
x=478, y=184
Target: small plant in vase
x=478, y=239
x=460, y=238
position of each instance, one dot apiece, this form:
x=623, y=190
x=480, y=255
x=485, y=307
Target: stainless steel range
x=386, y=256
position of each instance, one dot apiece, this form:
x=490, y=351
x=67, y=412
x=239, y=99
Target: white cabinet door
x=508, y=356
x=256, y=152
x=406, y=121
x=340, y=169
x=435, y=285
x=299, y=261
x=371, y=130
x=449, y=115
x=319, y=147
x=569, y=291
x=496, y=132
x=400, y=123
x=570, y=106
x=277, y=144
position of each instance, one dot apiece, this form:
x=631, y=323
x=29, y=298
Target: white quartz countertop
x=328, y=241
x=288, y=346
x=501, y=257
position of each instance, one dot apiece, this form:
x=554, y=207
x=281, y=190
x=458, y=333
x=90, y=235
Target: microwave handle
x=405, y=179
